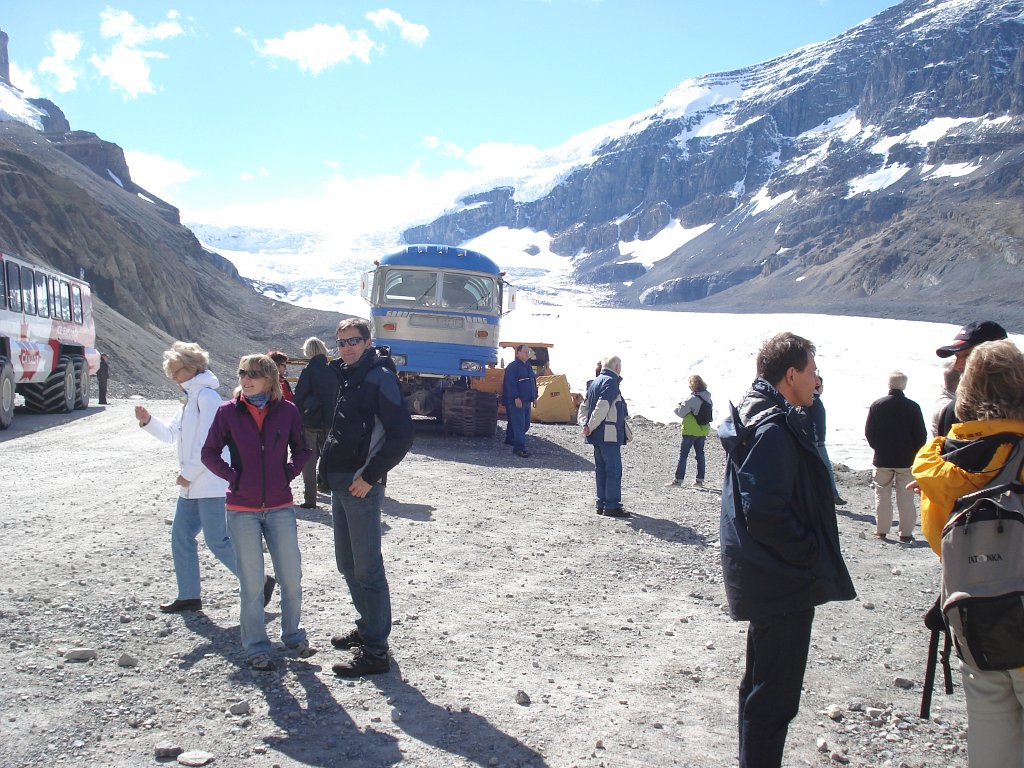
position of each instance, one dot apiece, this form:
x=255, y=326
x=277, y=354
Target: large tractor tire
x=58, y=393
x=6, y=393
x=470, y=412
x=83, y=383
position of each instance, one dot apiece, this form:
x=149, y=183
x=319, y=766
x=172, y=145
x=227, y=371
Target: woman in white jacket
x=200, y=492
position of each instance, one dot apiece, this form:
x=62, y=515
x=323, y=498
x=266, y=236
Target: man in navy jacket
x=779, y=541
x=519, y=393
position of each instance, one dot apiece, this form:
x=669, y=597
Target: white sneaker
x=672, y=482
x=698, y=483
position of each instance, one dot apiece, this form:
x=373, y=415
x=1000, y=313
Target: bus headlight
x=470, y=365
x=400, y=359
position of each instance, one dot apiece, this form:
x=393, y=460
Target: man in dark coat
x=895, y=430
x=519, y=394
x=102, y=375
x=315, y=395
x=370, y=434
x=779, y=541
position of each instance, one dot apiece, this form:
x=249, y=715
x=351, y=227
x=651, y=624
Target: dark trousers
x=770, y=691
x=102, y=381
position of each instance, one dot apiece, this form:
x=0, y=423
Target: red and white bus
x=47, y=338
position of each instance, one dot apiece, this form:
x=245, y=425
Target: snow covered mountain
x=877, y=173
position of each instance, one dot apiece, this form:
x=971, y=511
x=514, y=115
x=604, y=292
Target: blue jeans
x=608, y=466
x=191, y=516
x=697, y=443
x=248, y=529
x=357, y=535
x=769, y=696
x=517, y=425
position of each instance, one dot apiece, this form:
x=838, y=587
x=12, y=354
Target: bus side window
x=65, y=302
x=42, y=306
x=3, y=285
x=14, y=286
x=28, y=293
x=76, y=304
x=53, y=297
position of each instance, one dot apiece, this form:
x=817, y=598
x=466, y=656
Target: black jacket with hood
x=779, y=536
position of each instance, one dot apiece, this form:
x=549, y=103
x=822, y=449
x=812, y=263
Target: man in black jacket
x=315, y=395
x=970, y=336
x=779, y=541
x=895, y=430
x=370, y=434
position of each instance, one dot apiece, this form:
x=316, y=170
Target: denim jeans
x=357, y=535
x=315, y=440
x=697, y=444
x=769, y=696
x=608, y=468
x=248, y=529
x=191, y=516
x=517, y=425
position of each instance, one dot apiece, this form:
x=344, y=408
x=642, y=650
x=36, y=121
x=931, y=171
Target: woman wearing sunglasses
x=259, y=428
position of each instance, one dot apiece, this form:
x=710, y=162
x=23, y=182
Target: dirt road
x=528, y=630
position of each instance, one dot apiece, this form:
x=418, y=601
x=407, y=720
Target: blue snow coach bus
x=438, y=310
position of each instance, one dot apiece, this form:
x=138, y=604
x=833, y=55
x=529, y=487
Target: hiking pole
x=929, y=676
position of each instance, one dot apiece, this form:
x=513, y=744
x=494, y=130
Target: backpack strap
x=1008, y=477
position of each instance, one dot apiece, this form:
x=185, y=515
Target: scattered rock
x=167, y=749
x=127, y=660
x=195, y=758
x=904, y=683
x=240, y=708
x=522, y=698
x=81, y=654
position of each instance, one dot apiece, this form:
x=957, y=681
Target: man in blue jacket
x=519, y=394
x=779, y=541
x=370, y=434
x=603, y=418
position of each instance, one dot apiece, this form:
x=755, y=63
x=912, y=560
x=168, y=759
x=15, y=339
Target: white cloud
x=24, y=80
x=245, y=177
x=443, y=148
x=160, y=175
x=60, y=65
x=414, y=33
x=126, y=65
x=319, y=47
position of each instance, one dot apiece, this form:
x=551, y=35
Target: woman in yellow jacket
x=990, y=406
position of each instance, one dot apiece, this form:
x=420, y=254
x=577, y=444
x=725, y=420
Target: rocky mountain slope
x=877, y=173
x=67, y=200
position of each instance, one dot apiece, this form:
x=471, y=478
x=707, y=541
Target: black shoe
x=344, y=642
x=177, y=606
x=615, y=512
x=522, y=454
x=268, y=590
x=362, y=664
x=839, y=501
x=308, y=505
x=324, y=489
x=600, y=508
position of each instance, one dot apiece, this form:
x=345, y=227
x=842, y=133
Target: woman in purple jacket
x=259, y=427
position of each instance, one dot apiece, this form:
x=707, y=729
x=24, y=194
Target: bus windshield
x=429, y=288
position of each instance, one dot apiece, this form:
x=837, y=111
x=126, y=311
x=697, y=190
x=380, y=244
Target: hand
x=142, y=415
x=586, y=431
x=519, y=403
x=359, y=488
x=914, y=486
x=182, y=481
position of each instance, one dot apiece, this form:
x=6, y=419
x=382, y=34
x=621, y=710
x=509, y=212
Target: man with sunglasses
x=370, y=434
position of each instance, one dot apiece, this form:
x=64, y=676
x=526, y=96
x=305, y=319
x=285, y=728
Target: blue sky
x=272, y=113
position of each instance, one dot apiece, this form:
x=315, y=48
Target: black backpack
x=704, y=413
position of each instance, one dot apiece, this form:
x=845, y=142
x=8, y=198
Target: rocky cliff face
x=876, y=173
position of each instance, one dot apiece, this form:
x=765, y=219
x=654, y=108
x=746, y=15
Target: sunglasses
x=244, y=374
x=351, y=342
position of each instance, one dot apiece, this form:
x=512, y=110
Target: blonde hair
x=265, y=365
x=312, y=347
x=185, y=354
x=992, y=384
x=697, y=384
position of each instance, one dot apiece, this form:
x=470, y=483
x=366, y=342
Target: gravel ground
x=528, y=630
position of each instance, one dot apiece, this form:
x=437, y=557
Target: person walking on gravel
x=779, y=541
x=370, y=434
x=200, y=505
x=603, y=417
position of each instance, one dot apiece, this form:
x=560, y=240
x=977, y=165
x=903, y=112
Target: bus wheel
x=83, y=383
x=6, y=393
x=58, y=395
